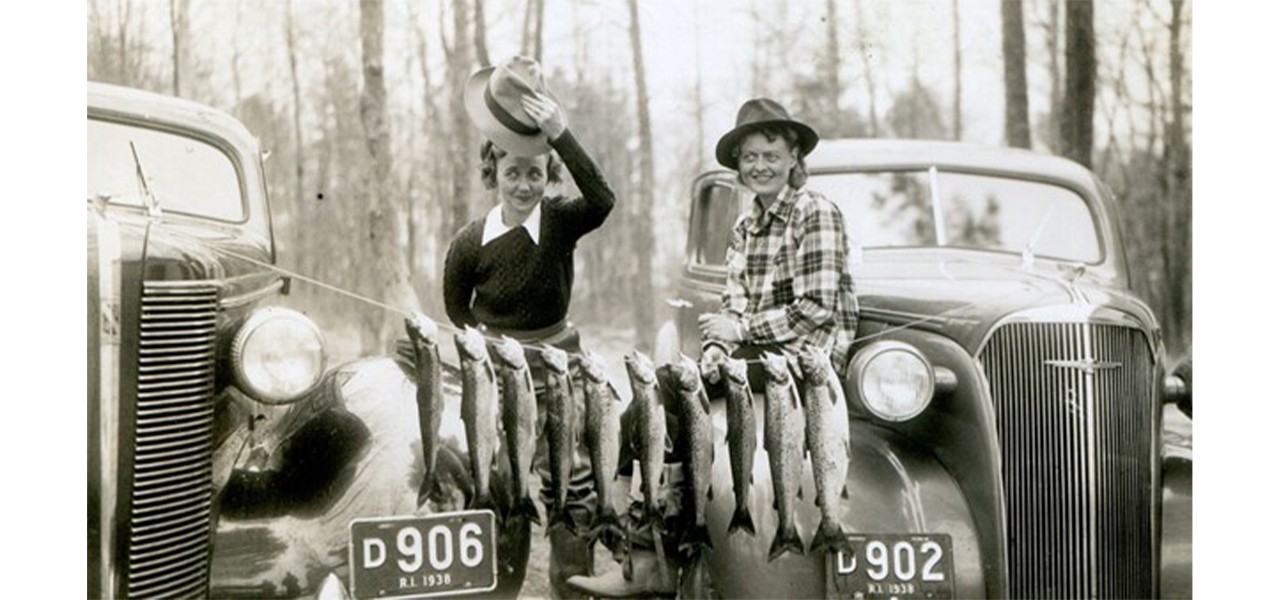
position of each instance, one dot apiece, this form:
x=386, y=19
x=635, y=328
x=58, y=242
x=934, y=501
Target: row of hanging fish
x=498, y=399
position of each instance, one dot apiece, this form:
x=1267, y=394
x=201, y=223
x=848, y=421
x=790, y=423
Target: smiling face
x=521, y=181
x=765, y=165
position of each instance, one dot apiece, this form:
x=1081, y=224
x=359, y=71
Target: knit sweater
x=513, y=283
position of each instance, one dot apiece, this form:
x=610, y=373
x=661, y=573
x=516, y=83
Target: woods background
x=373, y=164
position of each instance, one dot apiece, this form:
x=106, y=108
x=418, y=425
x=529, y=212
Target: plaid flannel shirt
x=789, y=281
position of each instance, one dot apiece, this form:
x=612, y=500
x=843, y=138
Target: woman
x=511, y=272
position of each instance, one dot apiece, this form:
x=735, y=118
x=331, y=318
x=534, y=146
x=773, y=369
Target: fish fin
x=844, y=492
x=742, y=521
x=706, y=402
x=710, y=493
x=482, y=501
x=800, y=493
x=830, y=536
x=787, y=539
x=556, y=518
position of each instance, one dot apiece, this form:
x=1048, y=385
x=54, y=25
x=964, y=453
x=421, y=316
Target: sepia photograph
x=852, y=299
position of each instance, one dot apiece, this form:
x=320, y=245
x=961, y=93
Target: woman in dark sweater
x=511, y=271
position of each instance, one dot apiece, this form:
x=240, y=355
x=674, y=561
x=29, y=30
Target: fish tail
x=698, y=538
x=830, y=536
x=482, y=501
x=529, y=509
x=786, y=539
x=742, y=521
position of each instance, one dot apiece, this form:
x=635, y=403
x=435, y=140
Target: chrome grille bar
x=172, y=480
x=1074, y=412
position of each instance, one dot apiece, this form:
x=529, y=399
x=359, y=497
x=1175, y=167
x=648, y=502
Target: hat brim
x=478, y=111
x=808, y=139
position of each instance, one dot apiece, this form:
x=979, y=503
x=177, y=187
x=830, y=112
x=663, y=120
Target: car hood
x=965, y=299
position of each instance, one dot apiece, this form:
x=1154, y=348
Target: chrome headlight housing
x=278, y=355
x=894, y=379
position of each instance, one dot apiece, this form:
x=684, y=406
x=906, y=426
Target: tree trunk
x=178, y=25
x=833, y=59
x=868, y=68
x=643, y=246
x=539, y=17
x=303, y=212
x=1177, y=184
x=957, y=123
x=482, y=43
x=459, y=63
x=1052, y=44
x=526, y=30
x=1017, y=130
x=1077, y=113
x=383, y=218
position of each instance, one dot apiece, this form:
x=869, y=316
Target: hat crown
x=759, y=110
x=510, y=82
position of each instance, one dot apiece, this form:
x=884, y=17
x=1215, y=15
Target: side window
x=717, y=208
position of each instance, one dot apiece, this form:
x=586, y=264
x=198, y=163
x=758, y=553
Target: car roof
x=107, y=100
x=902, y=154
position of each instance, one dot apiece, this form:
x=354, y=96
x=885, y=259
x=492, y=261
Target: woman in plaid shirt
x=788, y=282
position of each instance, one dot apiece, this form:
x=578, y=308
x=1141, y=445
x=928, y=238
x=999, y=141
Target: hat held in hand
x=492, y=99
x=755, y=114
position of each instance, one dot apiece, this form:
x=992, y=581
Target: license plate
x=423, y=556
x=892, y=566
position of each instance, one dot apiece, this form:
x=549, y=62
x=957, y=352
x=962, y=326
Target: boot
x=648, y=579
x=571, y=556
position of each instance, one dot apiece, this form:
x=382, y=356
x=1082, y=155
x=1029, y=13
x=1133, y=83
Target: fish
x=479, y=412
x=784, y=442
x=827, y=439
x=695, y=422
x=603, y=429
x=650, y=434
x=740, y=437
x=561, y=434
x=519, y=421
x=429, y=377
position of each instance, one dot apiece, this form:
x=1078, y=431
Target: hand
x=709, y=365
x=715, y=326
x=546, y=113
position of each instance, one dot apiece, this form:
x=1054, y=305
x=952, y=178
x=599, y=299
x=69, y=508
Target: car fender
x=893, y=487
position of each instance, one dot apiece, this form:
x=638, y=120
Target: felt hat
x=492, y=100
x=753, y=115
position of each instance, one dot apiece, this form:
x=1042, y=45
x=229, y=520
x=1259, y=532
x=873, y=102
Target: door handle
x=678, y=303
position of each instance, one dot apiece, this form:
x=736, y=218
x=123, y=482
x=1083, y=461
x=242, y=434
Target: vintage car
x=224, y=458
x=1006, y=395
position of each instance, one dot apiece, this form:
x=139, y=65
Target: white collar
x=494, y=227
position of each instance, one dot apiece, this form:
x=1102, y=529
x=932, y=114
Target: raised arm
x=588, y=212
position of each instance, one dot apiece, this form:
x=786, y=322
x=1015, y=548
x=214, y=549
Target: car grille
x=172, y=486
x=1074, y=412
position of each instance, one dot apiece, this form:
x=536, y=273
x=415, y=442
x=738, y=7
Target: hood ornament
x=1090, y=365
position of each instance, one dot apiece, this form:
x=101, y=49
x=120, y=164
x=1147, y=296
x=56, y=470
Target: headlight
x=278, y=355
x=894, y=379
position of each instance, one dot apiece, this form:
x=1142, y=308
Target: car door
x=717, y=200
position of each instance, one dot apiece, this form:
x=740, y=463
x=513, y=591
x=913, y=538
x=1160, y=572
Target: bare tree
x=179, y=24
x=299, y=168
x=1017, y=129
x=868, y=67
x=459, y=63
x=1177, y=187
x=1078, y=97
x=832, y=58
x=956, y=120
x=482, y=43
x=643, y=209
x=1052, y=28
x=539, y=17
x=382, y=222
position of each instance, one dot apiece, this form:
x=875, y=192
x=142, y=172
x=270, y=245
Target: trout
x=519, y=421
x=784, y=441
x=740, y=418
x=603, y=428
x=650, y=433
x=479, y=412
x=827, y=439
x=560, y=433
x=430, y=381
x=695, y=422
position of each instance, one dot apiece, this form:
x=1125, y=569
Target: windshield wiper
x=153, y=203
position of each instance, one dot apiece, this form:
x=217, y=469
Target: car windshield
x=185, y=174
x=934, y=208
